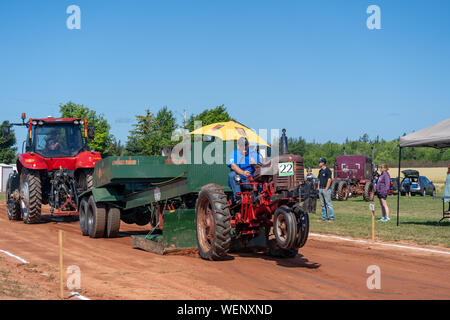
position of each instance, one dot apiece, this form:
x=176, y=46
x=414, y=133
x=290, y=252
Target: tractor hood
x=35, y=161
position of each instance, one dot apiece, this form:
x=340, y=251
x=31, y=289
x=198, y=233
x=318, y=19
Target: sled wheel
x=82, y=214
x=96, y=218
x=212, y=217
x=113, y=223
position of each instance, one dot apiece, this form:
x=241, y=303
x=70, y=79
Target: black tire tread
x=340, y=193
x=35, y=193
x=222, y=217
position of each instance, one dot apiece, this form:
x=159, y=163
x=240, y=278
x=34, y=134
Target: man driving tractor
x=242, y=161
x=52, y=143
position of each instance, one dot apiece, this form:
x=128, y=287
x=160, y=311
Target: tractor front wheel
x=342, y=191
x=212, y=217
x=369, y=191
x=30, y=196
x=285, y=227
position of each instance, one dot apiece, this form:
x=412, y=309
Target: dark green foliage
x=103, y=139
x=7, y=149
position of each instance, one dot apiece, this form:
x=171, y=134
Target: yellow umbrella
x=230, y=130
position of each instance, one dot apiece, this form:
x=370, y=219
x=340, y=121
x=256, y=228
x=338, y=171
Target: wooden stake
x=61, y=274
x=372, y=208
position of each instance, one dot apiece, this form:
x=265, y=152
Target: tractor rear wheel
x=212, y=218
x=112, y=223
x=96, y=218
x=31, y=196
x=342, y=191
x=369, y=191
x=86, y=179
x=285, y=227
x=12, y=205
x=82, y=214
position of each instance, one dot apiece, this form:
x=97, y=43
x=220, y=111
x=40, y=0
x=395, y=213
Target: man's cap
x=309, y=169
x=322, y=160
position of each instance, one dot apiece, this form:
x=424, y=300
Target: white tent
x=436, y=136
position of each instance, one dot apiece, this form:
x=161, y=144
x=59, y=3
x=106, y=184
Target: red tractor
x=353, y=176
x=56, y=166
x=272, y=211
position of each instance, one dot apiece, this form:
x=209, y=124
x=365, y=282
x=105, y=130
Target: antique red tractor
x=271, y=213
x=353, y=176
x=56, y=166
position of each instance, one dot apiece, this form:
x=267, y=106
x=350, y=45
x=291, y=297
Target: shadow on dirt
x=127, y=234
x=299, y=261
x=46, y=218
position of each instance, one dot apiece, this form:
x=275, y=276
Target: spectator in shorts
x=325, y=191
x=383, y=185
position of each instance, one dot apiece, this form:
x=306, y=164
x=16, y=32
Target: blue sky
x=312, y=67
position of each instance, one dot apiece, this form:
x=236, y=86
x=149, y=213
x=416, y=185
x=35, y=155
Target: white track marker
x=79, y=296
x=14, y=256
x=379, y=243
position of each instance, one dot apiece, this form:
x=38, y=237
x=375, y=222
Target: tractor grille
x=290, y=183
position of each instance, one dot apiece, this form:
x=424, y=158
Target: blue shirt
x=243, y=161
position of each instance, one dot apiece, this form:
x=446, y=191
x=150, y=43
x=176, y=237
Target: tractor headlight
x=40, y=123
x=81, y=121
x=75, y=122
x=34, y=123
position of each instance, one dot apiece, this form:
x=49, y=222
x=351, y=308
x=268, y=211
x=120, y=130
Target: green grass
x=419, y=218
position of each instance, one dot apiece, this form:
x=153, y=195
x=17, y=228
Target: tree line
x=153, y=130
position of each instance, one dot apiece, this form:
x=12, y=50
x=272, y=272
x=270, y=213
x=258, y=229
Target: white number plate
x=286, y=169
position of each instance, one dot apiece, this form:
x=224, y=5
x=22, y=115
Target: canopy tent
x=436, y=136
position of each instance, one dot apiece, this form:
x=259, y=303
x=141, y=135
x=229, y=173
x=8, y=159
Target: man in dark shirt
x=324, y=190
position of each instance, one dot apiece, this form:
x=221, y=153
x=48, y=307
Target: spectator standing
x=383, y=185
x=324, y=191
x=309, y=174
x=407, y=186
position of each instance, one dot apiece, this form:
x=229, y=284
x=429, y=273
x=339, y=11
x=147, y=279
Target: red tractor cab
x=353, y=176
x=54, y=168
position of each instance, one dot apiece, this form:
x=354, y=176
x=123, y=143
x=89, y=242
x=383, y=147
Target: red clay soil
x=112, y=269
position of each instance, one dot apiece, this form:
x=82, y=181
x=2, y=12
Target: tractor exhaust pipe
x=284, y=143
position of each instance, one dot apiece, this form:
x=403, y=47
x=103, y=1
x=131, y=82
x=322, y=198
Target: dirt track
x=112, y=269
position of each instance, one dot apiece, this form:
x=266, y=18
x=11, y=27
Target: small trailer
x=191, y=205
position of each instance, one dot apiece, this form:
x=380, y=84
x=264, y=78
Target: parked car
x=418, y=184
